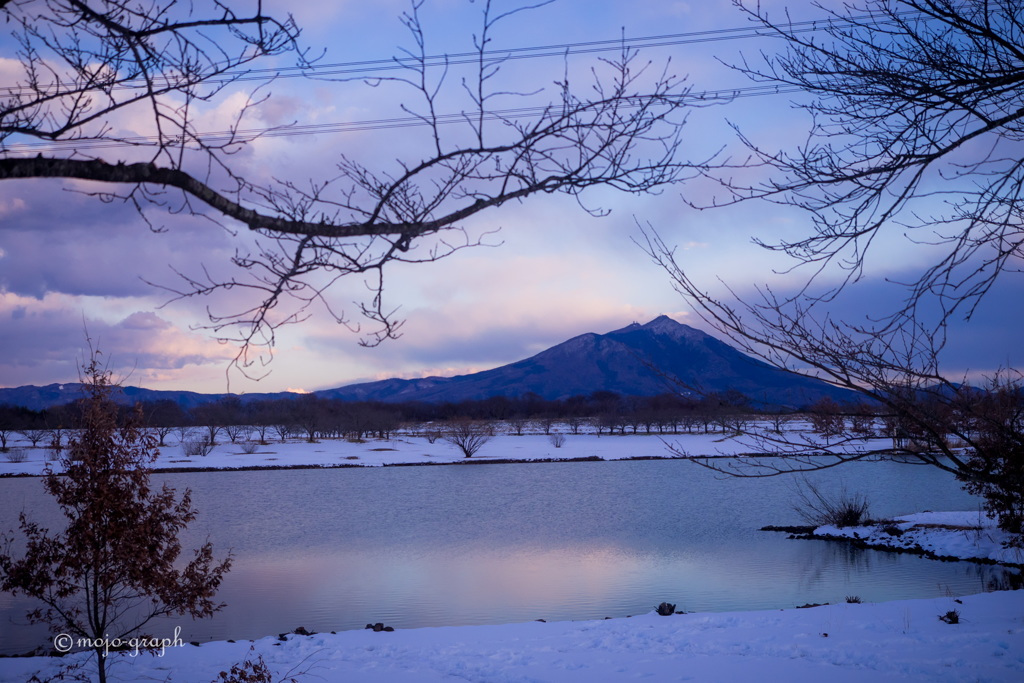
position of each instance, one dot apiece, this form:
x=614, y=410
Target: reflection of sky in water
x=334, y=550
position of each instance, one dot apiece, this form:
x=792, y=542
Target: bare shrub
x=249, y=447
x=557, y=440
x=196, y=447
x=249, y=671
x=819, y=508
x=468, y=436
x=16, y=455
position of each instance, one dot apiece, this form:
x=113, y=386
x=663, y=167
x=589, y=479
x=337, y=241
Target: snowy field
x=895, y=641
x=415, y=449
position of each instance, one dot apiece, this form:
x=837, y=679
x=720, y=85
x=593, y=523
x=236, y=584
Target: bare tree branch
x=917, y=110
x=918, y=119
x=977, y=434
x=85, y=62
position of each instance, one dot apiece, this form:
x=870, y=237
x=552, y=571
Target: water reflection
x=844, y=559
x=334, y=550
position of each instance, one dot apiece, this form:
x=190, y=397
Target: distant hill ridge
x=661, y=356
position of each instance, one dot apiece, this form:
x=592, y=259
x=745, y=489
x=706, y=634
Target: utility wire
x=239, y=136
x=367, y=68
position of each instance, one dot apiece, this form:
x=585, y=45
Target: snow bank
x=963, y=535
x=895, y=641
x=403, y=450
x=413, y=449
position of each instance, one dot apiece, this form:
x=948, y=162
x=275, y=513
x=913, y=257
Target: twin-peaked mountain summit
x=662, y=356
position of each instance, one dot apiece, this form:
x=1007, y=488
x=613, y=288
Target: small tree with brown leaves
x=114, y=568
x=992, y=422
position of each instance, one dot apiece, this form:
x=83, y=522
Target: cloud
x=45, y=340
x=973, y=348
x=144, y=321
x=69, y=243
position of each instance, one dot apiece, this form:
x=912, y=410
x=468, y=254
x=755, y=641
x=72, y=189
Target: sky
x=73, y=267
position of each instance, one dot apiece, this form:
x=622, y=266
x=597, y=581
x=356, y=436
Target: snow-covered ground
x=415, y=449
x=405, y=449
x=939, y=534
x=895, y=641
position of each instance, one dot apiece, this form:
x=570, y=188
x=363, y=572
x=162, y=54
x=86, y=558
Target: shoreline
x=916, y=550
x=466, y=461
x=968, y=638
x=406, y=450
x=403, y=450
x=939, y=536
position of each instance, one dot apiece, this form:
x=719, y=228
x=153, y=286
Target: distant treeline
x=313, y=416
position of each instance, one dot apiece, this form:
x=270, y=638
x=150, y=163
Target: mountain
x=37, y=398
x=662, y=356
x=638, y=360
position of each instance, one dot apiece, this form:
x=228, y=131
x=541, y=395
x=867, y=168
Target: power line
x=213, y=138
x=366, y=68
x=557, y=50
x=517, y=53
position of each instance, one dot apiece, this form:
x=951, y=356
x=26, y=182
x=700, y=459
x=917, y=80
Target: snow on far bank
x=406, y=450
x=414, y=449
x=965, y=535
x=896, y=641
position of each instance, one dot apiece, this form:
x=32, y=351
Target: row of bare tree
x=315, y=416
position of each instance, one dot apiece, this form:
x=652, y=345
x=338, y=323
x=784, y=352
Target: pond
x=332, y=550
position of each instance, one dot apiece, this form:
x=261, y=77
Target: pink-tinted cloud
x=46, y=341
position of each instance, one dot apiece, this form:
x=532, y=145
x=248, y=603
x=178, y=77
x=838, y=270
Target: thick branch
x=151, y=174
x=912, y=100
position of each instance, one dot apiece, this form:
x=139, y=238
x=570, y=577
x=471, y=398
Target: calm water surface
x=432, y=546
